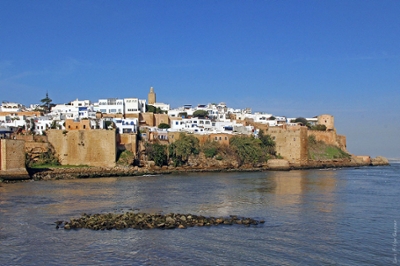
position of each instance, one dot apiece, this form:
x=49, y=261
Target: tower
x=151, y=98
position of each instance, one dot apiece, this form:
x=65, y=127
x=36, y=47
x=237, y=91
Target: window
x=216, y=138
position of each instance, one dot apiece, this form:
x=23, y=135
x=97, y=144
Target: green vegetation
x=183, y=114
x=46, y=103
x=180, y=150
x=152, y=109
x=248, y=149
x=125, y=158
x=319, y=150
x=163, y=125
x=301, y=120
x=200, y=113
x=157, y=153
x=44, y=160
x=318, y=127
x=210, y=149
x=267, y=142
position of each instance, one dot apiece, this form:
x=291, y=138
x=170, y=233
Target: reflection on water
x=312, y=217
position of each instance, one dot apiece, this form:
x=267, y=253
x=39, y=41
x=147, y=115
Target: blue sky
x=292, y=58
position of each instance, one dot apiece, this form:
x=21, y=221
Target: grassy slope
x=321, y=151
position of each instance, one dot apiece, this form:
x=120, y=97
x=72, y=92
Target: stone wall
x=327, y=120
x=146, y=119
x=330, y=137
x=83, y=124
x=291, y=143
x=84, y=147
x=12, y=159
x=160, y=118
x=129, y=141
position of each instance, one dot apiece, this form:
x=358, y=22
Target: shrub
x=163, y=125
x=318, y=127
x=125, y=158
x=200, y=113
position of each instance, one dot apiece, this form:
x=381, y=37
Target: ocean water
x=346, y=216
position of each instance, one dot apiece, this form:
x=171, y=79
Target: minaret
x=151, y=98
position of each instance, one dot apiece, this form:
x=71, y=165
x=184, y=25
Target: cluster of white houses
x=125, y=114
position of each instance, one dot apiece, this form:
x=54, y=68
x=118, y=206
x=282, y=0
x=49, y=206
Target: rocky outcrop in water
x=143, y=221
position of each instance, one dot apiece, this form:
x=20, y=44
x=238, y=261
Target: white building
x=134, y=106
x=110, y=106
x=11, y=107
x=126, y=125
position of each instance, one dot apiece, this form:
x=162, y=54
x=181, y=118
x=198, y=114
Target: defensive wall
x=128, y=142
x=330, y=137
x=153, y=120
x=84, y=147
x=12, y=159
x=291, y=143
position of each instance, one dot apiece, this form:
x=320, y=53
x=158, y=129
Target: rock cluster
x=150, y=221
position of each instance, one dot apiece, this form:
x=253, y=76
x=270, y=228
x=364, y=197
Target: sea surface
x=346, y=216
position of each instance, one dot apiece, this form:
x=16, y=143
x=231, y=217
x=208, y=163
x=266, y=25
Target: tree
x=248, y=149
x=180, y=150
x=46, y=103
x=302, y=121
x=183, y=114
x=153, y=109
x=318, y=127
x=267, y=142
x=210, y=148
x=163, y=125
x=157, y=153
x=200, y=113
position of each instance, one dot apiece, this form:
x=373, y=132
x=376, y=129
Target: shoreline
x=38, y=174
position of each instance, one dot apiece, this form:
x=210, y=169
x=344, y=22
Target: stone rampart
x=291, y=143
x=84, y=147
x=329, y=137
x=12, y=159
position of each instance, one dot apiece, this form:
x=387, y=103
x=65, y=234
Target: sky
x=294, y=58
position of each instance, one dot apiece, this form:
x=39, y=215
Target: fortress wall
x=129, y=141
x=291, y=143
x=342, y=141
x=84, y=147
x=330, y=137
x=12, y=155
x=160, y=118
x=146, y=119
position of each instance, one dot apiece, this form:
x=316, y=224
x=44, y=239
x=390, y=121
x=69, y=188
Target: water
x=313, y=217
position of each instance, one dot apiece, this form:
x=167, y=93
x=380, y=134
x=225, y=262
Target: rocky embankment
x=143, y=221
x=149, y=168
